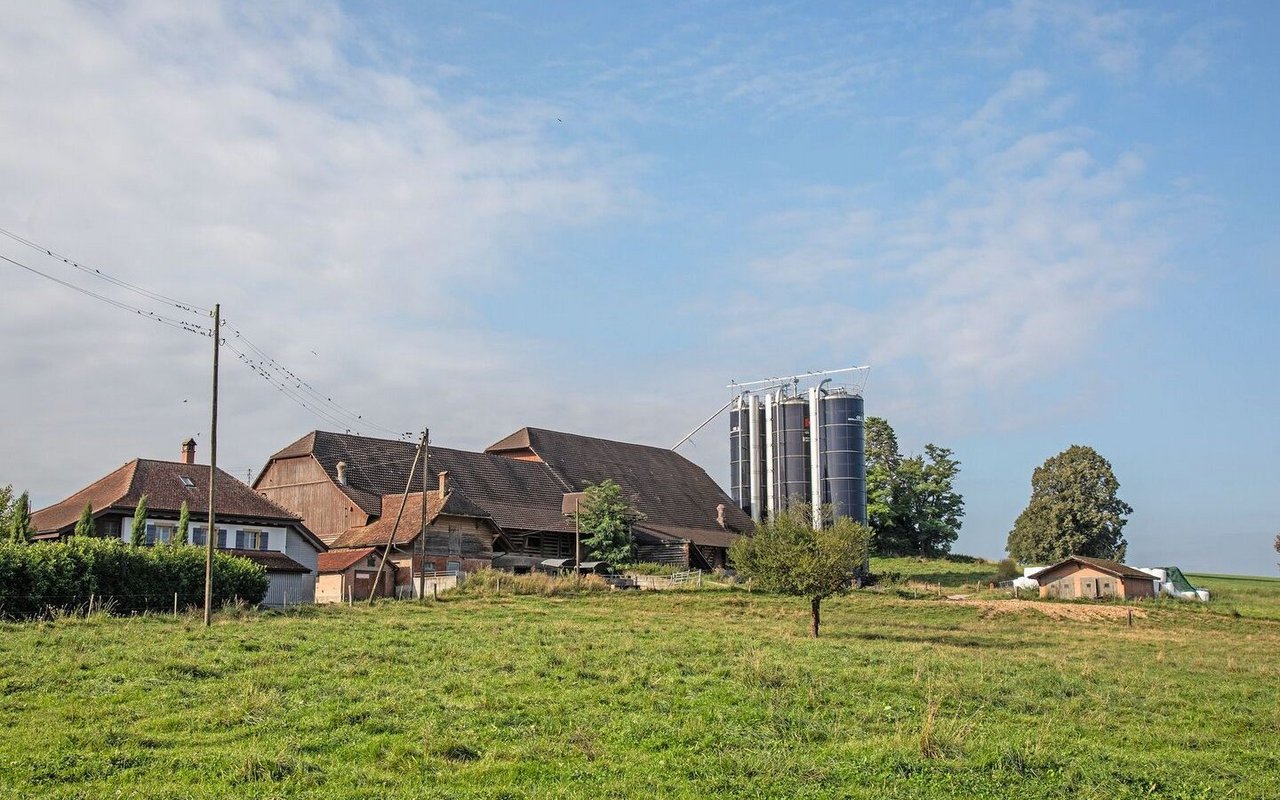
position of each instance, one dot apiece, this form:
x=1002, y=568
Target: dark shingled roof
x=161, y=482
x=1101, y=564
x=671, y=491
x=519, y=495
x=377, y=533
x=274, y=561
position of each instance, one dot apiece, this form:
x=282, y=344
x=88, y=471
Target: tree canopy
x=912, y=505
x=786, y=554
x=1074, y=510
x=605, y=518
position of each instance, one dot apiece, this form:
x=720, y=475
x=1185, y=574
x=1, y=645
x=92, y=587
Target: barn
x=1081, y=577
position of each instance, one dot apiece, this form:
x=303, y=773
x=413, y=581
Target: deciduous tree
x=1074, y=510
x=912, y=505
x=786, y=554
x=606, y=517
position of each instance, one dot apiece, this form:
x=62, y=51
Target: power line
x=181, y=324
x=97, y=273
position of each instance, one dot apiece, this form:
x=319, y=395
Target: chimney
x=342, y=472
x=720, y=515
x=444, y=482
x=189, y=451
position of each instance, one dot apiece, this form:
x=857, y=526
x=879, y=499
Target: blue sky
x=1042, y=223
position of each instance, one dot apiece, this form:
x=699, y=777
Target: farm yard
x=716, y=692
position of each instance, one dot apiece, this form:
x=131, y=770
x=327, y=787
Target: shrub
x=40, y=578
x=1007, y=570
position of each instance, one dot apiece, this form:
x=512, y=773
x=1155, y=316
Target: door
x=362, y=585
x=1088, y=588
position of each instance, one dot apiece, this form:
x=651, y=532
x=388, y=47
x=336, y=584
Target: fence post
x=435, y=595
x=90, y=604
x=284, y=596
x=175, y=604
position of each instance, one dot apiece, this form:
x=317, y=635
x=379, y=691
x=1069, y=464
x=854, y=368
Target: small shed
x=349, y=574
x=1081, y=577
x=595, y=568
x=556, y=565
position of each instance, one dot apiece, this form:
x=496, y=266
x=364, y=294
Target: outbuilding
x=1081, y=577
x=349, y=575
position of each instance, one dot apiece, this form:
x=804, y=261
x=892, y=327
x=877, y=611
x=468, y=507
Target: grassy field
x=692, y=694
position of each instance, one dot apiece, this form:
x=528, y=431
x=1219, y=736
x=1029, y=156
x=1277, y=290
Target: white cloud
x=237, y=154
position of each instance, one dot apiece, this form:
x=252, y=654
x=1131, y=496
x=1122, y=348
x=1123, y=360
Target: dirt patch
x=1073, y=611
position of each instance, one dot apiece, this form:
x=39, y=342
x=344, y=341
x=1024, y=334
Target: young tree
x=606, y=519
x=84, y=527
x=786, y=554
x=138, y=534
x=6, y=509
x=20, y=520
x=184, y=525
x=1074, y=510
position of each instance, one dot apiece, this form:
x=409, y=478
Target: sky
x=1041, y=223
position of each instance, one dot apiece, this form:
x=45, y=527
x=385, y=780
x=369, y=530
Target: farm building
x=525, y=485
x=249, y=525
x=349, y=575
x=1080, y=577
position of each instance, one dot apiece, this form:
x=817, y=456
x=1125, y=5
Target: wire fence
x=51, y=606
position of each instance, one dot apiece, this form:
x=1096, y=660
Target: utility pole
x=212, y=531
x=422, y=529
x=391, y=537
x=577, y=539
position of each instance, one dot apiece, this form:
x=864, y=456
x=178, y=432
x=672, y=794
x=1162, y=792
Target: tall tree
x=138, y=534
x=20, y=520
x=786, y=554
x=1074, y=510
x=84, y=527
x=183, y=536
x=6, y=509
x=912, y=505
x=606, y=517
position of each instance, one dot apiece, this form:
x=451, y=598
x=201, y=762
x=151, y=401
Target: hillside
x=711, y=693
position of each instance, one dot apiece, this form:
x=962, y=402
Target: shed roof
x=377, y=532
x=339, y=560
x=273, y=560
x=1101, y=564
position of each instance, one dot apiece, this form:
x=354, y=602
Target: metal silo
x=791, y=453
x=842, y=448
x=740, y=428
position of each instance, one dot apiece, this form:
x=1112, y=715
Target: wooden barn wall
x=673, y=553
x=301, y=485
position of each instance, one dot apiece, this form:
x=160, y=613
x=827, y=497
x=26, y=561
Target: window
x=198, y=536
x=251, y=540
x=159, y=533
x=187, y=482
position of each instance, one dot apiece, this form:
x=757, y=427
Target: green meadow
x=709, y=693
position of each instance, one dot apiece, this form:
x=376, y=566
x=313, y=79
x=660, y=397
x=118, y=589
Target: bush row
x=38, y=578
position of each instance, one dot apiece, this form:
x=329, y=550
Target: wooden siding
x=302, y=486
x=673, y=553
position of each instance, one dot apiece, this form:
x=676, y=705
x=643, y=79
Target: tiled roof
x=273, y=560
x=669, y=489
x=339, y=560
x=1101, y=564
x=162, y=483
x=519, y=495
x=702, y=536
x=377, y=533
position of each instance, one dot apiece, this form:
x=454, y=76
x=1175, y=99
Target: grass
x=628, y=694
x=1241, y=595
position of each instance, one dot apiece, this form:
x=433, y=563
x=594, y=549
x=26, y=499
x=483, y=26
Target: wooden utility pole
x=404, y=498
x=577, y=538
x=422, y=527
x=212, y=531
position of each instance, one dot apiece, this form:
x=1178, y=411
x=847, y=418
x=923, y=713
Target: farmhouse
x=1091, y=578
x=249, y=524
x=525, y=486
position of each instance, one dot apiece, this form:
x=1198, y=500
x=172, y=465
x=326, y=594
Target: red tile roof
x=339, y=560
x=162, y=483
x=376, y=533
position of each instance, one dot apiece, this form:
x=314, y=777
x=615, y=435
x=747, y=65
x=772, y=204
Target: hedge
x=36, y=579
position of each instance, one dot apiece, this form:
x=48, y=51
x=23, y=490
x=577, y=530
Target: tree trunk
x=817, y=616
